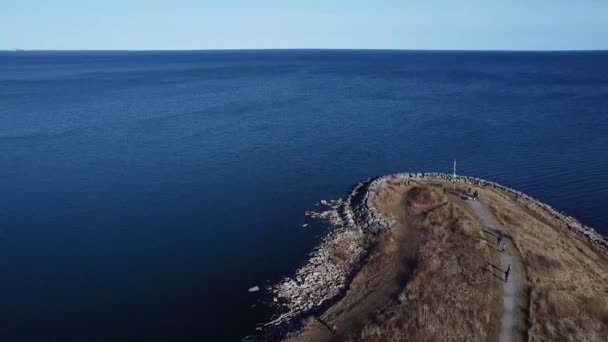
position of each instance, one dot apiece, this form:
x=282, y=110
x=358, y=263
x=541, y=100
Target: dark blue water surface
x=141, y=194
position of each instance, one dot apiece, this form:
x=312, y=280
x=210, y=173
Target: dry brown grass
x=450, y=295
x=568, y=278
x=425, y=280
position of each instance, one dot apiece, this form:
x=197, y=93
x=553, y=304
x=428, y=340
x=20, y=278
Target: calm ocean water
x=141, y=194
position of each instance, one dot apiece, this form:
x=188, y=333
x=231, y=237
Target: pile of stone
x=354, y=223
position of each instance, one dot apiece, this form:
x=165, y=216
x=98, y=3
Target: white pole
x=454, y=177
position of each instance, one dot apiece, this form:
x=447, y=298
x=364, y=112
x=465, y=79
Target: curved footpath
x=508, y=319
x=355, y=223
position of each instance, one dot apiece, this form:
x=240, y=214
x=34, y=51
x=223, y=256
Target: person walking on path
x=499, y=237
x=509, y=318
x=503, y=247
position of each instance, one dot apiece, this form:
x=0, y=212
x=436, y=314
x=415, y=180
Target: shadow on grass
x=496, y=272
x=487, y=240
x=494, y=266
x=491, y=232
x=498, y=276
x=493, y=246
x=433, y=208
x=331, y=331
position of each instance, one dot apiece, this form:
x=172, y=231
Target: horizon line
x=300, y=49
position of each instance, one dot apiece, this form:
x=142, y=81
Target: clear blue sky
x=241, y=24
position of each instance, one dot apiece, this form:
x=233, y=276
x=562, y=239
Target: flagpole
x=454, y=176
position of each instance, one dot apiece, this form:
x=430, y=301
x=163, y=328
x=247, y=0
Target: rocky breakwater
x=353, y=223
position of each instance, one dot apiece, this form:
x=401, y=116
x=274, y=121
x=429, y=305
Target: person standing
x=499, y=237
x=503, y=247
x=507, y=272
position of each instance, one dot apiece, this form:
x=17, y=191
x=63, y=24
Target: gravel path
x=509, y=296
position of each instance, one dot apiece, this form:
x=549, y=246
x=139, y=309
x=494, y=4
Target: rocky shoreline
x=355, y=223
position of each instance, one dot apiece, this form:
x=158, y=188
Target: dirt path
x=508, y=320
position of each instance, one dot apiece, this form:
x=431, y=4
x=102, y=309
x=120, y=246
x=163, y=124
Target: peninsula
x=437, y=257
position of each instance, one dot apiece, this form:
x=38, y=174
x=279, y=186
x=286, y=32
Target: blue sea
x=143, y=193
